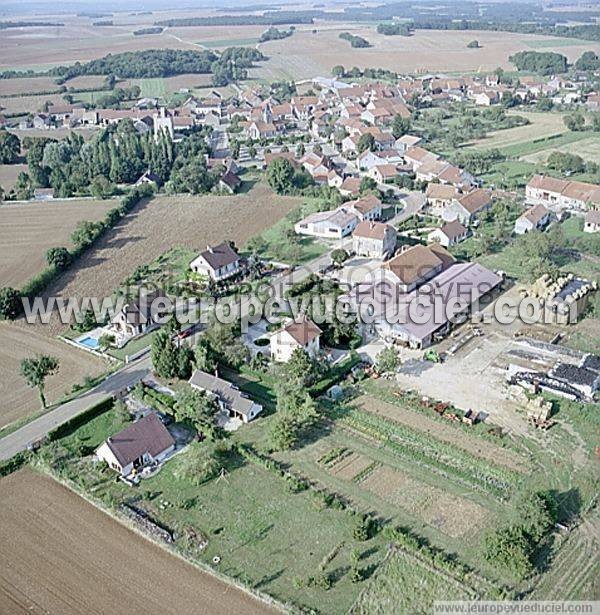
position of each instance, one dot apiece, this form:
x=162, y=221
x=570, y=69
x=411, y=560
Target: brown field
x=445, y=433
x=448, y=513
x=308, y=55
x=85, y=82
x=29, y=104
x=167, y=221
x=11, y=87
x=63, y=555
x=427, y=50
x=19, y=341
x=8, y=176
x=27, y=230
x=350, y=466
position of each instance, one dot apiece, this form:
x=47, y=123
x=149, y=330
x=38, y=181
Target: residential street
x=38, y=428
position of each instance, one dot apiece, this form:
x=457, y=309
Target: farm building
x=144, y=442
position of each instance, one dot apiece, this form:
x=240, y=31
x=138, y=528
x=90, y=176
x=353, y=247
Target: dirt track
x=61, y=555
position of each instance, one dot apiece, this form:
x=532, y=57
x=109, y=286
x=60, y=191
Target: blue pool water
x=90, y=342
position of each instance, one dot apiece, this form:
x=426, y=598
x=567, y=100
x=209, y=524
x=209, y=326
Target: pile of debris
x=443, y=408
x=141, y=519
x=538, y=413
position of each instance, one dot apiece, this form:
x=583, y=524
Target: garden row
x=439, y=457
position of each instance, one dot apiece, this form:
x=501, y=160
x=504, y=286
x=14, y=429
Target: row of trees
x=355, y=41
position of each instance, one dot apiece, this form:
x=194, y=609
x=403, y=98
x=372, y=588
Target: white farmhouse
x=374, y=239
x=141, y=443
x=536, y=217
x=301, y=333
x=218, y=262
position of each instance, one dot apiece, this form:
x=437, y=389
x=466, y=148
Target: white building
x=218, y=262
x=374, y=240
x=141, y=443
x=448, y=235
x=536, y=217
x=592, y=221
x=301, y=333
x=333, y=224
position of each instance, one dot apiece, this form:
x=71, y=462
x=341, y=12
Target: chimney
x=209, y=249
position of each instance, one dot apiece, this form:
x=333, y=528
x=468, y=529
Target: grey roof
x=148, y=435
x=224, y=390
x=220, y=256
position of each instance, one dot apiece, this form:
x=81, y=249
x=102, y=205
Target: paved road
x=18, y=440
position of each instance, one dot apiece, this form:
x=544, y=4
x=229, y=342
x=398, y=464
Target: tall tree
x=35, y=371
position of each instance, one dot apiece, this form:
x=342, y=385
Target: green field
x=588, y=147
x=543, y=43
x=151, y=87
x=404, y=584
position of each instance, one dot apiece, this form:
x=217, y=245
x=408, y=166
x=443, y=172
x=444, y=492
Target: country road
x=18, y=440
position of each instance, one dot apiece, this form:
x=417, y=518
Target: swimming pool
x=89, y=342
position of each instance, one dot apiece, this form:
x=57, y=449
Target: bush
x=10, y=303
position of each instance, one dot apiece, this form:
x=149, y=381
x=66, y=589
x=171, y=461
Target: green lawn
x=151, y=87
x=135, y=345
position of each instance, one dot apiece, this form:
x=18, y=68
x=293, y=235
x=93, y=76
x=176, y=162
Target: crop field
x=29, y=85
x=587, y=147
x=20, y=341
x=541, y=124
x=426, y=50
x=193, y=222
x=9, y=174
x=29, y=104
x=27, y=230
x=66, y=556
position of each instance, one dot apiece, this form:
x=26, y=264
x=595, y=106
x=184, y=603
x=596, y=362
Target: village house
x=374, y=239
x=467, y=207
x=350, y=186
x=368, y=207
x=138, y=316
x=229, y=182
x=592, y=221
x=405, y=142
x=383, y=173
x=536, y=217
x=448, y=235
x=217, y=262
x=439, y=196
x=333, y=224
x=142, y=443
x=229, y=398
x=301, y=333
x=261, y=130
x=562, y=194
x=417, y=156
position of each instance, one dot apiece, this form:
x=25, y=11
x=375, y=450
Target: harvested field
x=448, y=513
x=427, y=50
x=588, y=149
x=446, y=433
x=86, y=82
x=540, y=125
x=28, y=85
x=27, y=230
x=193, y=222
x=8, y=178
x=19, y=341
x=66, y=556
x=29, y=104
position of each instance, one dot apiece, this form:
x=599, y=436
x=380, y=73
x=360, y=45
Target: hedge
x=78, y=420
